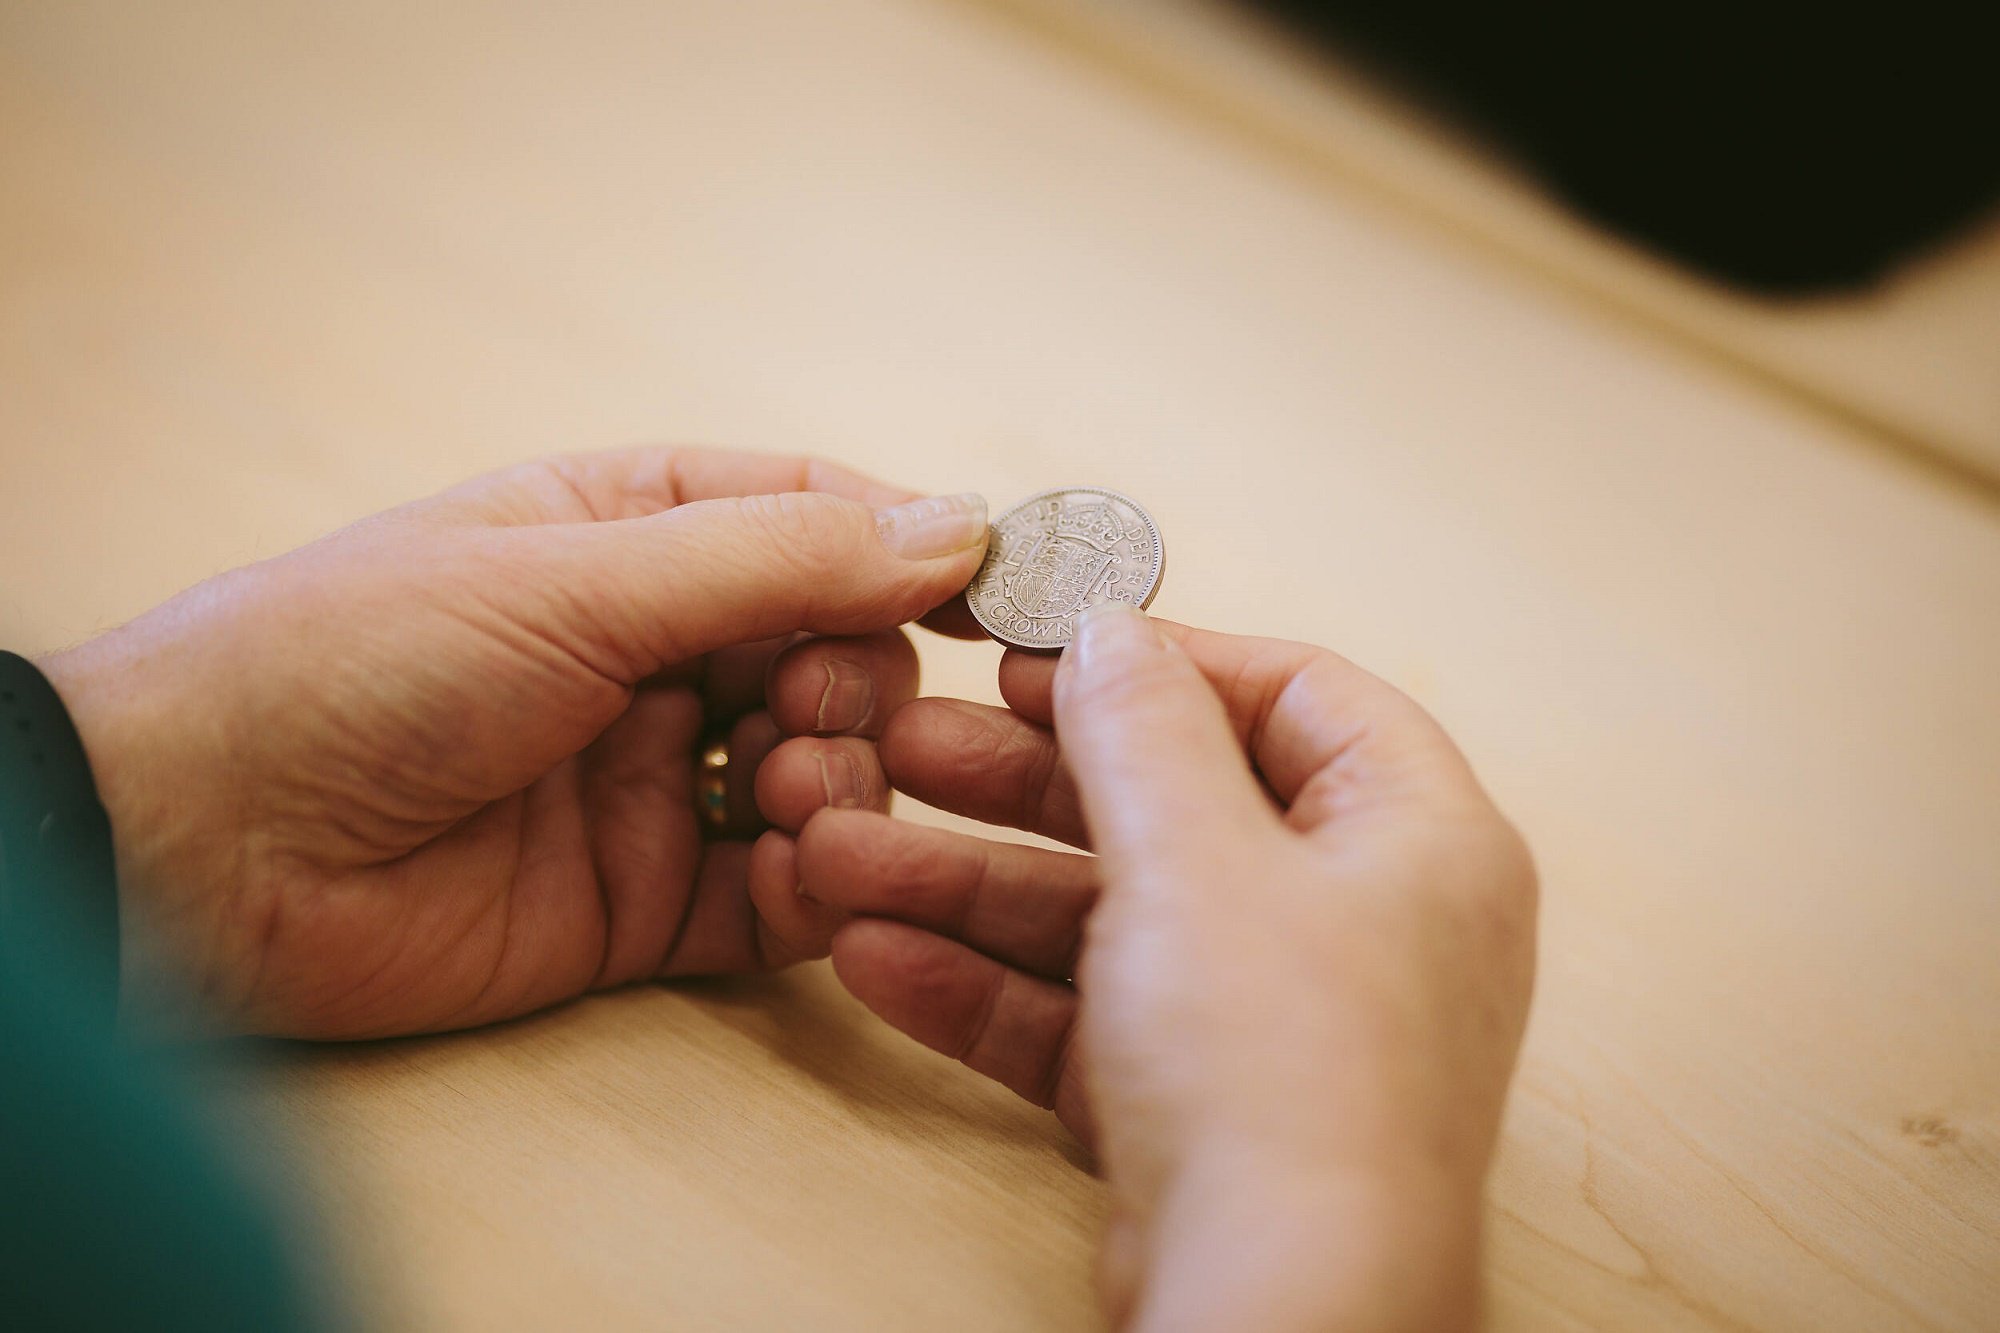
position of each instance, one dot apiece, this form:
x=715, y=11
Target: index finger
x=635, y=482
x=1159, y=775
x=647, y=479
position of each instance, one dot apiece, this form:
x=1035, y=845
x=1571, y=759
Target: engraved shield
x=1055, y=577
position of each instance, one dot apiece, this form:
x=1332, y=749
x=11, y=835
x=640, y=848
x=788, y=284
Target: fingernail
x=940, y=525
x=840, y=779
x=849, y=694
x=1112, y=634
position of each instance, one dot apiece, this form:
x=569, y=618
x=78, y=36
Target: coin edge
x=1159, y=573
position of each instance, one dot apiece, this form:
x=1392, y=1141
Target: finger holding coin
x=1058, y=553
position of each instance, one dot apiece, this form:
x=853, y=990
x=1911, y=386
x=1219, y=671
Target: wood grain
x=265, y=268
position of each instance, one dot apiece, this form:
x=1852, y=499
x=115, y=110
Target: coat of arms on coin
x=1060, y=551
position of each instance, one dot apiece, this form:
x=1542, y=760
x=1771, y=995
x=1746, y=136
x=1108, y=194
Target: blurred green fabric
x=119, y=1208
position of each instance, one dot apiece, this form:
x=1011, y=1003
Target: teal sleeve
x=117, y=1208
x=56, y=869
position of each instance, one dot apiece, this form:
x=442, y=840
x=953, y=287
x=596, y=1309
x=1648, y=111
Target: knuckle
x=806, y=540
x=786, y=522
x=909, y=861
x=822, y=848
x=1036, y=761
x=570, y=482
x=979, y=1021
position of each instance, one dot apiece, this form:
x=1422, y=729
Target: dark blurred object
x=1785, y=150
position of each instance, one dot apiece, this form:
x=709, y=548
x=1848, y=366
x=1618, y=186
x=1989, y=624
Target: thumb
x=649, y=592
x=1158, y=768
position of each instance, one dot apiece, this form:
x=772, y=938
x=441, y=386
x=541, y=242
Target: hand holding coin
x=1059, y=552
x=1281, y=998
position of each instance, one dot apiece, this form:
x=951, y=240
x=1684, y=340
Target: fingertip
x=1149, y=742
x=829, y=834
x=831, y=853
x=866, y=938
x=987, y=763
x=774, y=858
x=1028, y=680
x=834, y=686
x=937, y=527
x=795, y=927
x=808, y=773
x=910, y=978
x=931, y=740
x=867, y=952
x=902, y=740
x=1027, y=684
x=953, y=619
x=1111, y=638
x=1120, y=672
x=759, y=566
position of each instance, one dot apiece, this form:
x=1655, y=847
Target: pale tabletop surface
x=264, y=268
x=1911, y=358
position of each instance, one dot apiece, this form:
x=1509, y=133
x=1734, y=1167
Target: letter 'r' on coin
x=1058, y=552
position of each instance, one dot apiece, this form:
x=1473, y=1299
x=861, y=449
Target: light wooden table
x=1736, y=669
x=1913, y=359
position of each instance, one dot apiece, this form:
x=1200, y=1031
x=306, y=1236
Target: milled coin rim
x=1152, y=588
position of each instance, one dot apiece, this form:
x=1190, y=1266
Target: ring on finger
x=711, y=788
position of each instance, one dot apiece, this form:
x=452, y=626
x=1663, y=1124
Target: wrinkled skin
x=1284, y=998
x=438, y=768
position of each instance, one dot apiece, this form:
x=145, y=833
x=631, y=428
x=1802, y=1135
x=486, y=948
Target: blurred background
x=1628, y=391
x=1808, y=195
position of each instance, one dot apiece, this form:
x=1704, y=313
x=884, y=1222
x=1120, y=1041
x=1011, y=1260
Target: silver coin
x=1058, y=552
